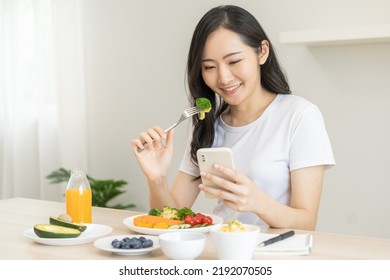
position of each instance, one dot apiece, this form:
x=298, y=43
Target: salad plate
x=104, y=244
x=156, y=231
x=93, y=232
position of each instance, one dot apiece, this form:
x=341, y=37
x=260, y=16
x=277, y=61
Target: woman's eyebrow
x=224, y=57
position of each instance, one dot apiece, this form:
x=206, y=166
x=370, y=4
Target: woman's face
x=230, y=67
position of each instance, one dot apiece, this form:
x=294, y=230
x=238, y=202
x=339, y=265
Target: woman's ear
x=263, y=52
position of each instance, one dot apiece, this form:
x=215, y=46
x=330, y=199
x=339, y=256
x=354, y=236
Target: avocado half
x=54, y=231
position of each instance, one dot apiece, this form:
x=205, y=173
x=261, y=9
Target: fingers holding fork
x=153, y=138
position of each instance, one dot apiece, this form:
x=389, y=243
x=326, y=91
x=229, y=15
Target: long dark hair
x=248, y=28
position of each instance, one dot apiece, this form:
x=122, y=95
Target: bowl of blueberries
x=128, y=244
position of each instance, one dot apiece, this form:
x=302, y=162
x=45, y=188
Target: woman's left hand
x=238, y=191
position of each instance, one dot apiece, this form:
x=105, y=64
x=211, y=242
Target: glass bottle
x=79, y=197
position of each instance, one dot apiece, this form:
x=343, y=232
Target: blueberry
x=147, y=243
x=127, y=245
x=135, y=243
x=117, y=244
x=142, y=238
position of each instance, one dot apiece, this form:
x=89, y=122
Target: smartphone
x=207, y=157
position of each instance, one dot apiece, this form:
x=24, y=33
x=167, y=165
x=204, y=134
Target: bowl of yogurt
x=235, y=240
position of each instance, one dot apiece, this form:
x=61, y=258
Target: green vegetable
x=172, y=213
x=54, y=231
x=154, y=212
x=200, y=225
x=59, y=222
x=182, y=213
x=204, y=105
x=180, y=226
x=169, y=213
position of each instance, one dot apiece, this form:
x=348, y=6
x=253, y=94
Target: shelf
x=339, y=36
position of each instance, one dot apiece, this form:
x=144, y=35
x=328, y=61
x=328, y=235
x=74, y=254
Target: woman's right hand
x=156, y=157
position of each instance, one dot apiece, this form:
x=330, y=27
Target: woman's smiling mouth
x=232, y=89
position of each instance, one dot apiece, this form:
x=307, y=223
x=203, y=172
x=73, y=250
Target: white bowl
x=182, y=245
x=235, y=245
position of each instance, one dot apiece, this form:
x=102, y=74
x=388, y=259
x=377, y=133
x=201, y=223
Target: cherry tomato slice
x=192, y=223
x=197, y=220
x=188, y=219
x=207, y=220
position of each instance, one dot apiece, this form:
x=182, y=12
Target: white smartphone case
x=207, y=157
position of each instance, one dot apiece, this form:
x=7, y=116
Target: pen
x=277, y=238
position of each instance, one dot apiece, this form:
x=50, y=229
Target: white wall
x=135, y=64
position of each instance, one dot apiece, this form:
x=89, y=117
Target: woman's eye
x=209, y=67
x=235, y=61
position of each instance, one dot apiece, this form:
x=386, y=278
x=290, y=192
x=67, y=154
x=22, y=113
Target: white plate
x=93, y=232
x=105, y=245
x=156, y=231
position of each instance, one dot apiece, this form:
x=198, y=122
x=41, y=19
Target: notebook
x=299, y=244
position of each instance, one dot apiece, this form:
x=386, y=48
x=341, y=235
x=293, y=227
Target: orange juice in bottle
x=79, y=197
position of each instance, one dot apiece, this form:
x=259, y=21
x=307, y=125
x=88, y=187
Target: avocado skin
x=54, y=231
x=58, y=222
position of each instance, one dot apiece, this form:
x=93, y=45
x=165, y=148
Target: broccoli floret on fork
x=204, y=105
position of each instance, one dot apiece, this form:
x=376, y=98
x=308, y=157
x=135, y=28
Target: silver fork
x=185, y=115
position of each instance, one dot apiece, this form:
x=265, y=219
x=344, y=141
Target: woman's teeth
x=231, y=88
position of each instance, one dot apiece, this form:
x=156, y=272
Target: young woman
x=279, y=141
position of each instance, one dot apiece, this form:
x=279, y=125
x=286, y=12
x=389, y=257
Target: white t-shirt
x=289, y=135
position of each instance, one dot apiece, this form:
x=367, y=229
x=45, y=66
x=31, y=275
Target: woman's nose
x=224, y=75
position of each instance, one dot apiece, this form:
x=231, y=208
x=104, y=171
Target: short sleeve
x=186, y=165
x=310, y=143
